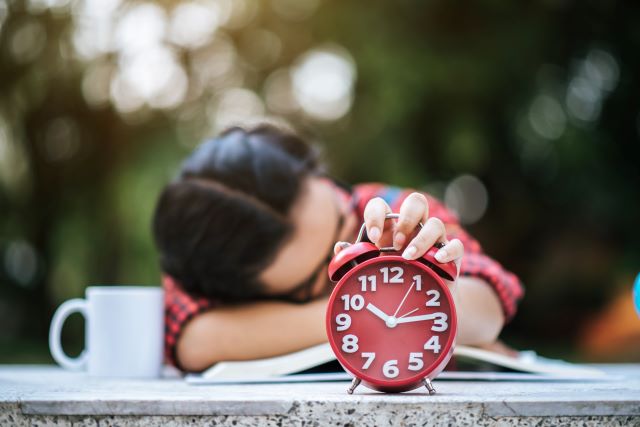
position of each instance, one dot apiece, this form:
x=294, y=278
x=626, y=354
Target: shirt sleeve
x=179, y=308
x=475, y=262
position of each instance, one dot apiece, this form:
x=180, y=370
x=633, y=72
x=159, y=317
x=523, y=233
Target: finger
x=414, y=209
x=452, y=251
x=374, y=216
x=340, y=246
x=432, y=232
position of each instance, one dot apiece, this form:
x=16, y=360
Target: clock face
x=391, y=322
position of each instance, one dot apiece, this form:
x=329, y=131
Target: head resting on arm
x=223, y=219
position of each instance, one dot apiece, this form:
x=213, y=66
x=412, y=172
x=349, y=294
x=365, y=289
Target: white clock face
x=391, y=320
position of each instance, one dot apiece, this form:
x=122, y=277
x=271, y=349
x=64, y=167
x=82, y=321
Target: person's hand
x=405, y=235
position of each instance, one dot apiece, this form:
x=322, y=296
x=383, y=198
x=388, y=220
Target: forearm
x=480, y=315
x=250, y=331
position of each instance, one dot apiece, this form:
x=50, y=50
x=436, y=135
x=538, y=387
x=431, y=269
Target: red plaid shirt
x=181, y=307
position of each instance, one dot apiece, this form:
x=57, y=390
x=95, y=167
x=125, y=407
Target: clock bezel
x=416, y=380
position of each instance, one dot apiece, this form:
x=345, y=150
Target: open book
x=527, y=366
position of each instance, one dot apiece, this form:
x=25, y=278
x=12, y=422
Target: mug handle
x=76, y=305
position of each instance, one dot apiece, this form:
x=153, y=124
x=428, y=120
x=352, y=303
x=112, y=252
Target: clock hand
x=379, y=313
x=422, y=317
x=406, y=314
x=403, y=299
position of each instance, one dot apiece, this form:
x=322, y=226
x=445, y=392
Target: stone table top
x=47, y=391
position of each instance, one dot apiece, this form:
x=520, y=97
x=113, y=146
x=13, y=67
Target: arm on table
x=250, y=331
x=480, y=315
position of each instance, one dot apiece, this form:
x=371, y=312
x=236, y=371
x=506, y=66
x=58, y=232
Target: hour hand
x=379, y=313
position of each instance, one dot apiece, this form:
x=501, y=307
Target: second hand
x=406, y=314
x=403, y=299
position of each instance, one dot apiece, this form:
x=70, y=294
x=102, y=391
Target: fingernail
x=398, y=240
x=374, y=234
x=340, y=246
x=441, y=255
x=409, y=252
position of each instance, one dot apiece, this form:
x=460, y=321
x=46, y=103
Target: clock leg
x=355, y=383
x=429, y=386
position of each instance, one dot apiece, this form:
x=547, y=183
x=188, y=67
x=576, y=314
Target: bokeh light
x=96, y=83
x=213, y=67
x=278, y=92
x=3, y=12
x=261, y=47
x=14, y=164
x=61, y=139
x=237, y=14
x=93, y=27
x=596, y=76
x=295, y=10
x=323, y=81
x=467, y=196
x=27, y=41
x=193, y=23
x=547, y=118
x=56, y=6
x=21, y=262
x=236, y=106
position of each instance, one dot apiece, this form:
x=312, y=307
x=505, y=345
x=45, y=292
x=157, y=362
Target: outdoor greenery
x=523, y=116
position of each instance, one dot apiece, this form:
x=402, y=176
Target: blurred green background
x=522, y=116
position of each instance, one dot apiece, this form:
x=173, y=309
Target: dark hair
x=220, y=223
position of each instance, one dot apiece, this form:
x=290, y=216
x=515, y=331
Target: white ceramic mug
x=124, y=327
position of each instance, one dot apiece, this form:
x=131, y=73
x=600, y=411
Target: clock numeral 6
x=350, y=343
x=398, y=271
x=370, y=357
x=415, y=362
x=390, y=368
x=353, y=301
x=343, y=321
x=433, y=344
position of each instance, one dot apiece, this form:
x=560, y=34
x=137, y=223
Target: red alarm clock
x=391, y=322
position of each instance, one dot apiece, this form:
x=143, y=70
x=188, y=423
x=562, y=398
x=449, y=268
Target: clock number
x=363, y=283
x=390, y=369
x=433, y=302
x=353, y=301
x=369, y=361
x=417, y=280
x=350, y=343
x=433, y=344
x=386, y=271
x=415, y=361
x=440, y=323
x=344, y=322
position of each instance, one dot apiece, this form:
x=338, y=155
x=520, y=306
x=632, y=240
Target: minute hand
x=441, y=316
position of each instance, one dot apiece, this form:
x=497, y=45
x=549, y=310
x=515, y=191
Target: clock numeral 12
x=398, y=271
x=363, y=282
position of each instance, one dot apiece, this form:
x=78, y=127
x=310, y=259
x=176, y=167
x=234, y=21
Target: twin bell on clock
x=391, y=322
